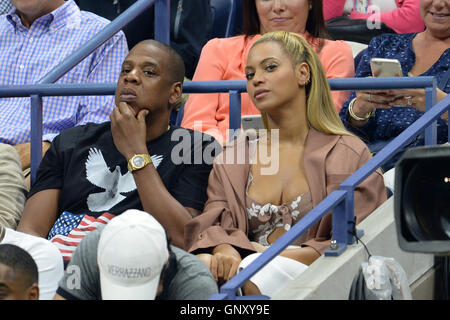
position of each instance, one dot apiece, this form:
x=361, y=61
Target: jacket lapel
x=317, y=147
x=236, y=156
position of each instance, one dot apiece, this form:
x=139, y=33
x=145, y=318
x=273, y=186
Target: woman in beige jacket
x=259, y=188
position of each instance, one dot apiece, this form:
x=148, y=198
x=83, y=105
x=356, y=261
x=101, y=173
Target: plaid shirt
x=26, y=55
x=5, y=6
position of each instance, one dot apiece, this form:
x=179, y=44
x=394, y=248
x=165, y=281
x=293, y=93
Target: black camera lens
x=427, y=200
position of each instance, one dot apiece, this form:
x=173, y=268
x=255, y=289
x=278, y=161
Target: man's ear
x=175, y=93
x=303, y=74
x=33, y=292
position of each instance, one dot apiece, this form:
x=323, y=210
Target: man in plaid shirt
x=35, y=37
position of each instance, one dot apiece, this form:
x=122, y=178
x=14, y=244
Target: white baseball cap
x=132, y=252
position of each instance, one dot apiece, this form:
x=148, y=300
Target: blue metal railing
x=162, y=33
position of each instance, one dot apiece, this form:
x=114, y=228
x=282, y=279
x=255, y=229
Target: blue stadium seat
x=224, y=17
x=238, y=19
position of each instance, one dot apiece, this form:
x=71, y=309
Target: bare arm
x=305, y=255
x=365, y=103
x=159, y=202
x=129, y=133
x=40, y=213
x=58, y=297
x=24, y=151
x=416, y=98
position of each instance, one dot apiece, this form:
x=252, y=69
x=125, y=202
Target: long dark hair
x=315, y=24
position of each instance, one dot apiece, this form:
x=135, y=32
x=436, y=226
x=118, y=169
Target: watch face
x=138, y=161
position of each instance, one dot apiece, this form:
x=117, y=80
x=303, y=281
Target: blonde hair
x=320, y=110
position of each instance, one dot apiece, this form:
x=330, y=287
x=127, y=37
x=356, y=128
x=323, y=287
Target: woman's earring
x=310, y=6
x=304, y=84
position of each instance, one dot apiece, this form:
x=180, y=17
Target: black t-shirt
x=92, y=174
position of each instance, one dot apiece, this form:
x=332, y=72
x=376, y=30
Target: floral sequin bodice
x=264, y=219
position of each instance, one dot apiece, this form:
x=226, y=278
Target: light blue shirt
x=5, y=6
x=26, y=55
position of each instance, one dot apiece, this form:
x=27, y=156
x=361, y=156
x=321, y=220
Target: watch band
x=139, y=161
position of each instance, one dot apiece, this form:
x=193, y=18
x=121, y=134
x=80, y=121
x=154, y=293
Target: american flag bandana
x=70, y=229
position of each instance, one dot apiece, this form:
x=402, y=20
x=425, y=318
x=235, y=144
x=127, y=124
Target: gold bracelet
x=354, y=116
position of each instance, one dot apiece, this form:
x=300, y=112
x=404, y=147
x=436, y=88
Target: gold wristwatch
x=139, y=161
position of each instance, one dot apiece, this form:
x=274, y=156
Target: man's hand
x=24, y=151
x=129, y=130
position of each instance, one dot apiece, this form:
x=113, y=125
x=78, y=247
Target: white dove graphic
x=114, y=183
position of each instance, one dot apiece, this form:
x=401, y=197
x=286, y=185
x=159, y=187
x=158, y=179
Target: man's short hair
x=20, y=261
x=175, y=64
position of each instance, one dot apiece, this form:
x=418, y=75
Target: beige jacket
x=329, y=160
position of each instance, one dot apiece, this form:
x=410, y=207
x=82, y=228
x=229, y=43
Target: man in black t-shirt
x=137, y=161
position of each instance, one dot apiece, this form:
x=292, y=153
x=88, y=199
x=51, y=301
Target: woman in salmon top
x=225, y=59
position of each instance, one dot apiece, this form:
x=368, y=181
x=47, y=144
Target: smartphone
x=385, y=67
x=252, y=122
